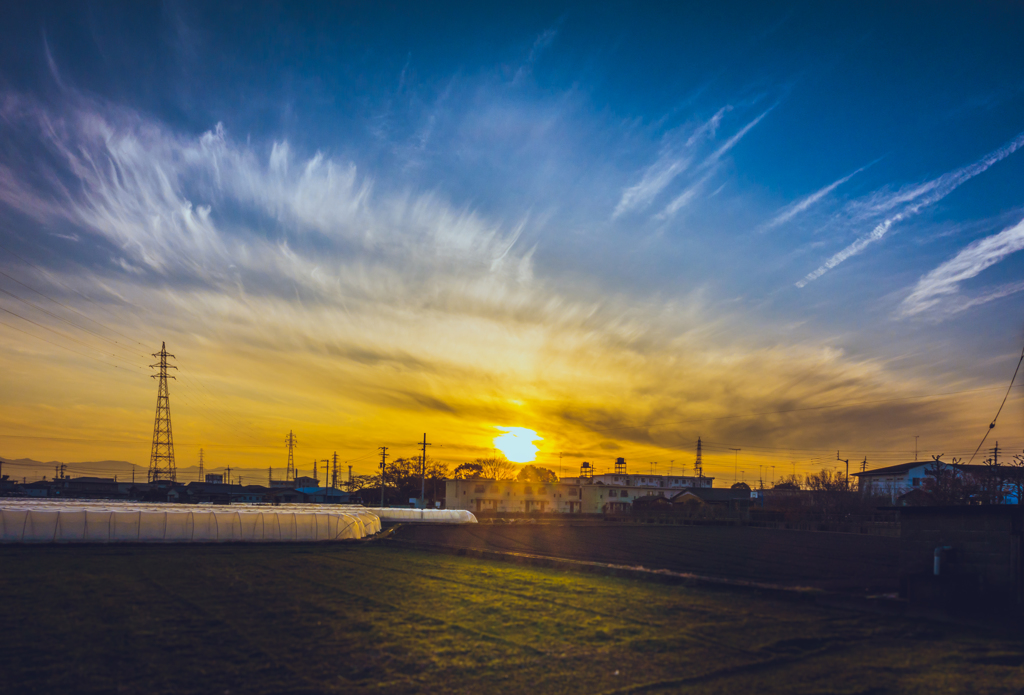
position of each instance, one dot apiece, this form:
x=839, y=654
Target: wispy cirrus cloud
x=910, y=201
x=355, y=304
x=943, y=283
x=792, y=210
x=735, y=139
x=673, y=160
x=709, y=166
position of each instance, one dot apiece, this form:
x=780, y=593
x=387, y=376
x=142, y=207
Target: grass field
x=834, y=561
x=366, y=618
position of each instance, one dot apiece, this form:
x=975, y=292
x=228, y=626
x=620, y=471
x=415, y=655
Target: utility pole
x=846, y=482
x=270, y=476
x=200, y=465
x=735, y=461
x=350, y=478
x=327, y=468
x=915, y=447
x=383, y=461
x=161, y=457
x=229, y=474
x=423, y=471
x=292, y=442
x=334, y=472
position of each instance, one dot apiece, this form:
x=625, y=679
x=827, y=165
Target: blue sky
x=736, y=207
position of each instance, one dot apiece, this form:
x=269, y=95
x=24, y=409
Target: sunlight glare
x=517, y=444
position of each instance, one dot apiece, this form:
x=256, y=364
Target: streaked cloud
x=674, y=159
x=735, y=139
x=910, y=201
x=359, y=308
x=792, y=210
x=942, y=285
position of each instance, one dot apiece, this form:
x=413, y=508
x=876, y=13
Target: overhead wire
x=992, y=425
x=197, y=400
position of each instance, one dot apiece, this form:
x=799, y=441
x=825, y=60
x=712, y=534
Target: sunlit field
x=370, y=618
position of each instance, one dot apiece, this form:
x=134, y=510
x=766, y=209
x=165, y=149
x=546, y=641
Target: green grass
x=361, y=618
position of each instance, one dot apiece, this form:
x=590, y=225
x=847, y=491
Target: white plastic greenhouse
x=444, y=516
x=67, y=521
x=86, y=521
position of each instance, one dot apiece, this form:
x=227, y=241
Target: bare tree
x=497, y=468
x=535, y=474
x=948, y=484
x=1015, y=478
x=468, y=471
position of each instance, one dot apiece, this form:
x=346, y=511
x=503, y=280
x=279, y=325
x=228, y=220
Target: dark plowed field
x=834, y=561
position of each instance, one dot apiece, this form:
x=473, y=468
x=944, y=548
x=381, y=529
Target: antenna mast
x=161, y=457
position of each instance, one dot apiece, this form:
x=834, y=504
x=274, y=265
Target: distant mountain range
x=30, y=470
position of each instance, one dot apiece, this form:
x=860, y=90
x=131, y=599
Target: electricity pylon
x=334, y=471
x=161, y=457
x=292, y=442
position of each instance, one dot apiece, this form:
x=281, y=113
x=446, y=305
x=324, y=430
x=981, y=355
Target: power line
x=992, y=424
x=59, y=318
x=50, y=342
x=56, y=281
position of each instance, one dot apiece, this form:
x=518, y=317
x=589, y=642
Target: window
x=528, y=490
x=479, y=488
x=624, y=493
x=917, y=481
x=613, y=493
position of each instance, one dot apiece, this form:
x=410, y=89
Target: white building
x=599, y=494
x=893, y=481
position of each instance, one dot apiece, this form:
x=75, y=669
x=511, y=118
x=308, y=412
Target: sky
x=789, y=229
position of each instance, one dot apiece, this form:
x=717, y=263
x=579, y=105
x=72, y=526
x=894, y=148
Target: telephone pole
x=292, y=442
x=423, y=471
x=846, y=482
x=383, y=461
x=201, y=465
x=327, y=468
x=161, y=457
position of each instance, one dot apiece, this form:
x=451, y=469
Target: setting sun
x=517, y=444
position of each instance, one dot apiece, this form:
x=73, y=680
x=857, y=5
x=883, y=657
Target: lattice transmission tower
x=161, y=457
x=292, y=442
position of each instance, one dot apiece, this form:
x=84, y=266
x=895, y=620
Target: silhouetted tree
x=497, y=468
x=948, y=484
x=789, y=482
x=468, y=471
x=740, y=486
x=1015, y=478
x=535, y=474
